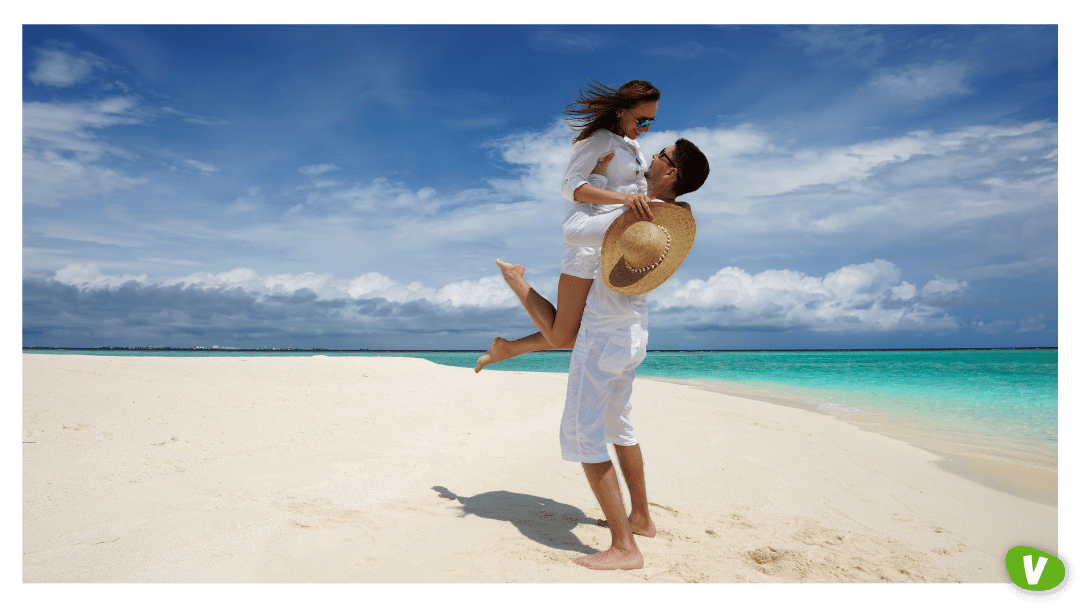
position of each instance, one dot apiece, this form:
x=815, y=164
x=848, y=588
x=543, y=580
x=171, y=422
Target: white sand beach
x=371, y=469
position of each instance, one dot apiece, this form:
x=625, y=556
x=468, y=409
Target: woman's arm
x=594, y=190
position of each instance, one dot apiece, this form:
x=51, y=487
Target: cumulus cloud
x=243, y=308
x=540, y=159
x=89, y=276
x=858, y=297
x=488, y=292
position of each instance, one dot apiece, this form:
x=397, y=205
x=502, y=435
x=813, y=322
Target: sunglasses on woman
x=644, y=122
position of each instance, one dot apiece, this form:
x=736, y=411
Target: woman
x=608, y=122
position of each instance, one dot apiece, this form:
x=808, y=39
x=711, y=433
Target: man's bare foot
x=497, y=352
x=514, y=275
x=612, y=559
x=641, y=528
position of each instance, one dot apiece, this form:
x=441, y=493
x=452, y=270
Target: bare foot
x=646, y=528
x=612, y=559
x=514, y=275
x=497, y=352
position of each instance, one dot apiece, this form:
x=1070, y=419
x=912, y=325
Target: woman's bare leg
x=557, y=329
x=502, y=350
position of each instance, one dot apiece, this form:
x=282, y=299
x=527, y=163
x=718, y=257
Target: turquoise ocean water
x=996, y=405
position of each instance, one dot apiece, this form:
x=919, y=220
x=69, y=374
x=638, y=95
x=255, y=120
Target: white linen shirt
x=625, y=319
x=625, y=172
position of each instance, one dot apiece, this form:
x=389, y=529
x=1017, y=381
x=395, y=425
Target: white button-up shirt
x=625, y=172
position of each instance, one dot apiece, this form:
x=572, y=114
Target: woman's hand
x=601, y=165
x=640, y=204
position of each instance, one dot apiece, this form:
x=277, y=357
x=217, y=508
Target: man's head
x=676, y=170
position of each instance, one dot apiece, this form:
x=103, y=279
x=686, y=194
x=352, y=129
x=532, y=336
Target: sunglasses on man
x=663, y=154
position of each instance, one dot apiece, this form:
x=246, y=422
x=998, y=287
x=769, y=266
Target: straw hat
x=638, y=255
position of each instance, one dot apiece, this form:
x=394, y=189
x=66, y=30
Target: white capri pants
x=583, y=234
x=598, y=388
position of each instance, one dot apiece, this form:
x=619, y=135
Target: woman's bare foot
x=612, y=559
x=497, y=352
x=641, y=528
x=514, y=275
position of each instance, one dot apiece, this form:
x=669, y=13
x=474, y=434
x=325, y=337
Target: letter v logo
x=1034, y=570
x=1033, y=574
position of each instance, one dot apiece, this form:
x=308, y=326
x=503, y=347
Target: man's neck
x=663, y=196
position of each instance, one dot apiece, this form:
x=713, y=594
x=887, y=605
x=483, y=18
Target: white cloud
x=916, y=84
x=56, y=68
x=88, y=276
x=944, y=291
x=201, y=166
x=379, y=195
x=486, y=292
x=1034, y=323
x=541, y=158
x=858, y=297
x=314, y=170
x=895, y=187
x=247, y=203
x=887, y=190
x=69, y=126
x=193, y=119
x=848, y=44
x=62, y=155
x=992, y=327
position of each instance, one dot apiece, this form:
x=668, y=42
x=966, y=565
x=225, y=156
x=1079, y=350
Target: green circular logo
x=1038, y=576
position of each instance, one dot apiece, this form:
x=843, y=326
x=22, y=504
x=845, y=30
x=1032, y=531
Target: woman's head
x=625, y=111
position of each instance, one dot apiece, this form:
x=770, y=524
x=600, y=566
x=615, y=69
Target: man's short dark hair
x=692, y=167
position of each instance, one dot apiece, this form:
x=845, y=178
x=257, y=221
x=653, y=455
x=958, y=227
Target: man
x=637, y=256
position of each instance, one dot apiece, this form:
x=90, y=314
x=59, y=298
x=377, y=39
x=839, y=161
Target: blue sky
x=351, y=186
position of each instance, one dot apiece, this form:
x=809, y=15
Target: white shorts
x=598, y=388
x=583, y=234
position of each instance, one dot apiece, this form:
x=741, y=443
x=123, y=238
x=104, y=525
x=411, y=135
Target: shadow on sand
x=543, y=520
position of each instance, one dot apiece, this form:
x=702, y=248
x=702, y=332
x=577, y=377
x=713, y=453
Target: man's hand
x=640, y=204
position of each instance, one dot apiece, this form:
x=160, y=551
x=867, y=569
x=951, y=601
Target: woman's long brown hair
x=598, y=105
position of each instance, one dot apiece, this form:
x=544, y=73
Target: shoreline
x=1022, y=477
x=384, y=469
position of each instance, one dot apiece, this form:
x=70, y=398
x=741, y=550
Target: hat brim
x=679, y=223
